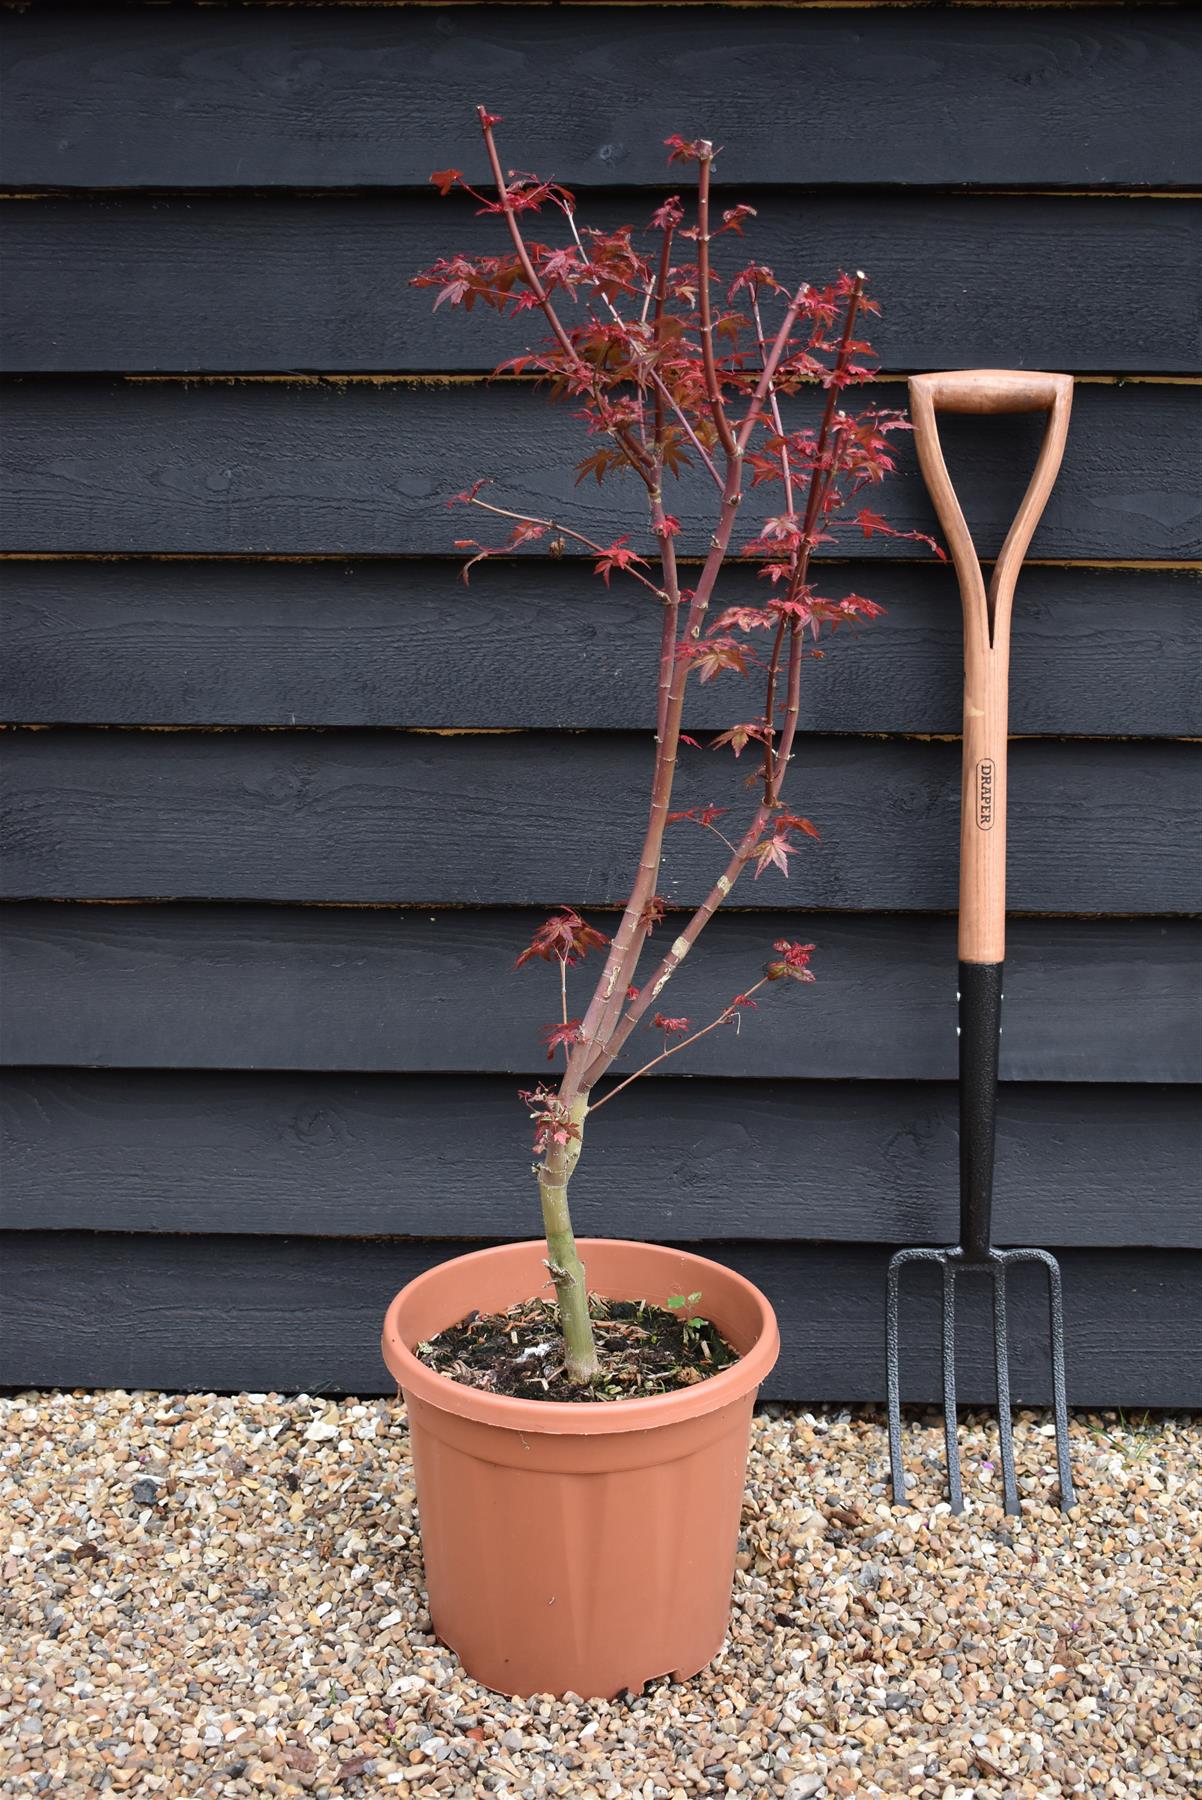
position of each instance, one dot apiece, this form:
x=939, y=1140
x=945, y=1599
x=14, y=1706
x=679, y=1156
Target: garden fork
x=982, y=936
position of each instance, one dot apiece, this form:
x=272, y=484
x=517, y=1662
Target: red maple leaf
x=672, y=1027
x=742, y=618
x=773, y=852
x=870, y=522
x=653, y=912
x=794, y=822
x=794, y=963
x=739, y=736
x=467, y=495
x=713, y=654
x=700, y=815
x=668, y=216
x=856, y=606
x=560, y=1037
x=617, y=556
x=445, y=179
x=732, y=218
x=687, y=150
x=564, y=935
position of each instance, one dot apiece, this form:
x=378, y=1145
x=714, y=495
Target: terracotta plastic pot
x=580, y=1548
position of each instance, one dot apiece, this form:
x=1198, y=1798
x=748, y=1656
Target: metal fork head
x=953, y=1262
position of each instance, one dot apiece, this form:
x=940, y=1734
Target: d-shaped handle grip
x=987, y=621
x=993, y=390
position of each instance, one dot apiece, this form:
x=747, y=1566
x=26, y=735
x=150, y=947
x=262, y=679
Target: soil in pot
x=644, y=1350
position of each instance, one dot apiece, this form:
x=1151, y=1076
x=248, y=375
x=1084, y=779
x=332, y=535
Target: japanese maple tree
x=670, y=368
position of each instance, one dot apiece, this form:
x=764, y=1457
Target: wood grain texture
x=214, y=284
x=197, y=1092
x=405, y=643
x=258, y=1154
x=377, y=96
x=367, y=468
x=317, y=988
x=422, y=819
x=87, y=1310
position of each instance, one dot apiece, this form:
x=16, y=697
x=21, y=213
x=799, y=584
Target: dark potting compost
x=644, y=1350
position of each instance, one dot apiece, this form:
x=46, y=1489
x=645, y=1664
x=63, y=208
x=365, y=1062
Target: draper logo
x=985, y=794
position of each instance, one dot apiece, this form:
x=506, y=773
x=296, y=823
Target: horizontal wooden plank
x=375, y=96
x=256, y=1154
x=423, y=819
x=405, y=643
x=232, y=283
x=324, y=988
x=91, y=1310
x=367, y=468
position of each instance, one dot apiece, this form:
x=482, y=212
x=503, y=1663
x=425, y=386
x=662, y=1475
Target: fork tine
x=897, y=1474
x=1064, y=1466
x=955, y=1492
x=1068, y=1498
x=1001, y=1367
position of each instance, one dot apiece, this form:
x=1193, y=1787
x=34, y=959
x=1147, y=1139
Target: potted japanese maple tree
x=579, y=1411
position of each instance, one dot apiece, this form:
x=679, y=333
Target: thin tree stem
x=681, y=946
x=724, y=1017
x=625, y=949
x=726, y=436
x=505, y=512
x=563, y=1261
x=637, y=456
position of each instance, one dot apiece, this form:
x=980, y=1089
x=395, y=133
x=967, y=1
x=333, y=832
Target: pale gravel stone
x=219, y=1598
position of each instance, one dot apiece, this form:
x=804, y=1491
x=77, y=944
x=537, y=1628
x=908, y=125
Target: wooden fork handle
x=987, y=622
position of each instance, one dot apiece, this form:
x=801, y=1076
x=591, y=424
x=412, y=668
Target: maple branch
x=790, y=514
x=724, y=1017
x=707, y=460
x=667, y=642
x=770, y=707
x=774, y=406
x=662, y=391
x=718, y=411
x=828, y=414
x=821, y=482
x=657, y=329
x=681, y=946
x=638, y=458
x=505, y=512
x=628, y=940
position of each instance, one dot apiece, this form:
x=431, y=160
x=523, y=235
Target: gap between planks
x=475, y=378
x=636, y=190
x=1001, y=6
x=433, y=910
x=251, y=557
x=258, y=728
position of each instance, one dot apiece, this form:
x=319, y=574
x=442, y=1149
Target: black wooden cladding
x=199, y=1095
x=1095, y=652
x=429, y=820
x=856, y=1162
x=379, y=96
x=367, y=468
x=288, y=1314
x=246, y=987
x=218, y=284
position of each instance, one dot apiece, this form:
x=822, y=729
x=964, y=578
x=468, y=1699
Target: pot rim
x=580, y=1418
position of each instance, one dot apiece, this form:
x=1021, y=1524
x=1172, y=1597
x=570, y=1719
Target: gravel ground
x=208, y=1596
